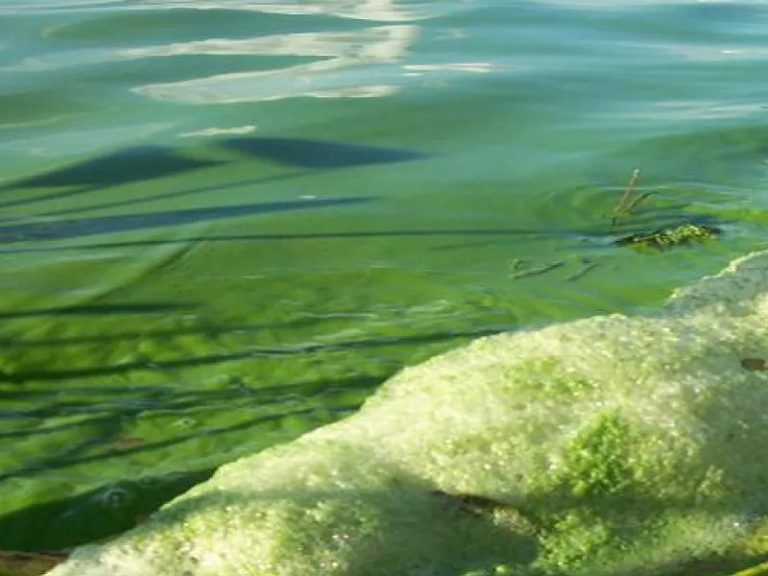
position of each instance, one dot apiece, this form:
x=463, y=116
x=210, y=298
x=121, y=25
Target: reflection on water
x=218, y=131
x=374, y=49
x=362, y=63
x=45, y=5
x=337, y=74
x=375, y=10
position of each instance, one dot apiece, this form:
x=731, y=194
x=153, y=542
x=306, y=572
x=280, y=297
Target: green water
x=223, y=224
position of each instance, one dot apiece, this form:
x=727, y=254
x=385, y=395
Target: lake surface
x=224, y=223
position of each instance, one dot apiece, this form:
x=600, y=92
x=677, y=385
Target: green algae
x=608, y=446
x=665, y=238
x=598, y=461
x=576, y=538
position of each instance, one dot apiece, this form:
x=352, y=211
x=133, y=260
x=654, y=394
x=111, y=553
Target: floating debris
x=629, y=201
x=664, y=238
x=536, y=271
x=587, y=266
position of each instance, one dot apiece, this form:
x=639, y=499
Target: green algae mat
x=613, y=445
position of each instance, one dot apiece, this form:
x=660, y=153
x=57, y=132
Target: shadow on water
x=95, y=310
x=118, y=403
x=18, y=377
x=209, y=331
x=163, y=399
x=121, y=167
x=174, y=194
x=307, y=154
x=318, y=154
x=43, y=374
x=150, y=162
x=68, y=458
x=297, y=236
x=94, y=515
x=117, y=506
x=62, y=229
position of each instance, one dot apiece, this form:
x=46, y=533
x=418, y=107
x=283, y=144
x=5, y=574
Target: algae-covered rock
x=608, y=446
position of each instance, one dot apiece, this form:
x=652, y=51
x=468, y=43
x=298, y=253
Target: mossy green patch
x=598, y=461
x=576, y=538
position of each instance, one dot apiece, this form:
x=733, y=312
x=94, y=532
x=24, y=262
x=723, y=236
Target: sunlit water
x=224, y=223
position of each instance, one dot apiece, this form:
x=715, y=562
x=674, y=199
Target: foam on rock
x=613, y=445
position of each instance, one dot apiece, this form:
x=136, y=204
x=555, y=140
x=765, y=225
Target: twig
x=625, y=203
x=582, y=271
x=637, y=201
x=537, y=271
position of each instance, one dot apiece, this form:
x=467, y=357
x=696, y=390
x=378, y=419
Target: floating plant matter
x=629, y=199
x=680, y=235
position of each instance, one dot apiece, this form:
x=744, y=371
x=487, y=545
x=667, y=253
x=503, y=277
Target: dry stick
x=537, y=271
x=636, y=201
x=588, y=266
x=626, y=198
x=629, y=191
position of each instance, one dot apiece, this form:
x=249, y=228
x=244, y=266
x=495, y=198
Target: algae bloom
x=608, y=446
